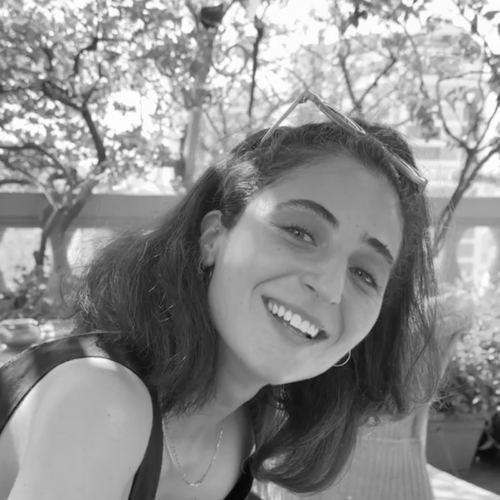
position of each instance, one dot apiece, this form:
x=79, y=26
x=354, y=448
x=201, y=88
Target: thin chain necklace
x=175, y=460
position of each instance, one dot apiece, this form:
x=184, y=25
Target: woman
x=247, y=335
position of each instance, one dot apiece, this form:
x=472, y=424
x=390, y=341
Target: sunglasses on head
x=345, y=123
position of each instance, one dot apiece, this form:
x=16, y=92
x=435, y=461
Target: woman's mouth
x=293, y=320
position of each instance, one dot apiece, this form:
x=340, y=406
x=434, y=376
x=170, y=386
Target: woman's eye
x=366, y=277
x=300, y=233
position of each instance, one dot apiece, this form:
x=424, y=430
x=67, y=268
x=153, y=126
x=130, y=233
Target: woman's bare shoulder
x=90, y=426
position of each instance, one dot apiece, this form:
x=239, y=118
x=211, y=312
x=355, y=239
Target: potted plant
x=20, y=321
x=471, y=394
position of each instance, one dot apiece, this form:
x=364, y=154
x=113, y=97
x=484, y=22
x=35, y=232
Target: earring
x=208, y=273
x=205, y=272
x=201, y=269
x=345, y=362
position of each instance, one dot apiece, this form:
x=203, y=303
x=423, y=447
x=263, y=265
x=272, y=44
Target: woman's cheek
x=361, y=314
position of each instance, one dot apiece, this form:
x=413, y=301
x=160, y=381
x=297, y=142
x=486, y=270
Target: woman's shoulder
x=98, y=380
x=77, y=366
x=89, y=414
x=88, y=389
x=102, y=385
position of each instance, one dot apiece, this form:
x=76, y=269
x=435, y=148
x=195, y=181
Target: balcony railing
x=115, y=211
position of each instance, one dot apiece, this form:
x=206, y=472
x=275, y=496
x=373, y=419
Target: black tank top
x=21, y=373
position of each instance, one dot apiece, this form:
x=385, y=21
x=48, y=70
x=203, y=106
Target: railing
x=119, y=210
x=114, y=211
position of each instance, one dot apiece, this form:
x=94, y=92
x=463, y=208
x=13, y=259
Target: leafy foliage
x=61, y=73
x=456, y=93
x=93, y=93
x=27, y=299
x=473, y=375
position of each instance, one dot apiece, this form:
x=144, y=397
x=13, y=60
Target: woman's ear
x=211, y=229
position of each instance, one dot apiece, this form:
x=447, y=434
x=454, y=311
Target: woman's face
x=299, y=280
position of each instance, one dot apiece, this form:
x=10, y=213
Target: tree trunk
x=55, y=226
x=59, y=242
x=198, y=94
x=191, y=146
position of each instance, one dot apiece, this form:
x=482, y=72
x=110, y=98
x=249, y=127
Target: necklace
x=175, y=460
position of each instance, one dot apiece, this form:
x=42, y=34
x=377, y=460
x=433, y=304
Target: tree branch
x=50, y=56
x=343, y=65
x=91, y=47
x=462, y=186
x=34, y=180
x=211, y=122
x=384, y=72
x=78, y=202
x=87, y=95
x=447, y=129
x=56, y=93
x=489, y=121
x=420, y=69
x=379, y=102
x=36, y=147
x=47, y=228
x=96, y=138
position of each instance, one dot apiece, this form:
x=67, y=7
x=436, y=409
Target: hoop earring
x=345, y=362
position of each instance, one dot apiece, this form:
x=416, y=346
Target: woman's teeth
x=308, y=329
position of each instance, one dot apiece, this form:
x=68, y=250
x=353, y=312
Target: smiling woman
x=263, y=321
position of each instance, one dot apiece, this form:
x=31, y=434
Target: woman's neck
x=234, y=387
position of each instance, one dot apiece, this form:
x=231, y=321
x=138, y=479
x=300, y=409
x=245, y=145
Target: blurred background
x=104, y=98
x=109, y=109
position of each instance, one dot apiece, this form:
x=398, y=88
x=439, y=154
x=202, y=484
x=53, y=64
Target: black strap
x=146, y=479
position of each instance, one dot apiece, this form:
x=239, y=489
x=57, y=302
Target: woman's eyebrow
x=381, y=248
x=312, y=206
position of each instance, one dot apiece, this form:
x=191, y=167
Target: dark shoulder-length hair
x=147, y=294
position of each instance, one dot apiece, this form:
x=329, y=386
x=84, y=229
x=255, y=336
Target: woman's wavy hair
x=147, y=294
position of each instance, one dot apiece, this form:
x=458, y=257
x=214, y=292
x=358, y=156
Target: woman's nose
x=326, y=281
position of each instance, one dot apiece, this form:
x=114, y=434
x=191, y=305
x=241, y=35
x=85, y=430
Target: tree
x=204, y=54
x=66, y=70
x=208, y=75
x=457, y=74
x=61, y=72
x=440, y=70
